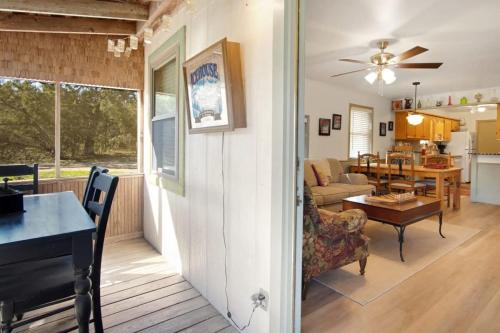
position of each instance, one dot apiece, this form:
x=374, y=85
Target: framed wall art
x=390, y=126
x=397, y=105
x=337, y=121
x=324, y=126
x=214, y=89
x=383, y=129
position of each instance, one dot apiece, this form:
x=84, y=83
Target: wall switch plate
x=261, y=299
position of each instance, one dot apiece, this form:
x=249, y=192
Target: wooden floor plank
x=139, y=291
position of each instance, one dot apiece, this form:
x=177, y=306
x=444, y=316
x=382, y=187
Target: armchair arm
x=334, y=225
x=354, y=178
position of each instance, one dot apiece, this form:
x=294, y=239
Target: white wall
x=188, y=230
x=322, y=100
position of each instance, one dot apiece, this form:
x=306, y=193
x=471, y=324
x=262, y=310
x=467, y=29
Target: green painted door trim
x=176, y=44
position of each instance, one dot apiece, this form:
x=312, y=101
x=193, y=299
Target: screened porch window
x=360, y=130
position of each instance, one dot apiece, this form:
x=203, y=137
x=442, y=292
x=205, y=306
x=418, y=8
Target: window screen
x=360, y=131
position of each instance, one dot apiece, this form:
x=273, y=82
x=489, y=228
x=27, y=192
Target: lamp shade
x=415, y=119
x=371, y=77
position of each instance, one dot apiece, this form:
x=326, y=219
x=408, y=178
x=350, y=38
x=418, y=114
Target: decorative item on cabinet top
x=214, y=89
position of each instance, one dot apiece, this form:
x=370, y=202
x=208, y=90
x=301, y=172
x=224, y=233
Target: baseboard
x=119, y=238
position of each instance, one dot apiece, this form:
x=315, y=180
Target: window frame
x=369, y=110
x=174, y=47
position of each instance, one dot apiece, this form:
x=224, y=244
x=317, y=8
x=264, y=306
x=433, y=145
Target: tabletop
x=46, y=216
x=421, y=201
x=417, y=168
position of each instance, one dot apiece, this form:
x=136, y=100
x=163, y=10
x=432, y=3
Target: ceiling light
x=388, y=76
x=120, y=45
x=117, y=53
x=128, y=50
x=111, y=45
x=415, y=119
x=134, y=42
x=148, y=35
x=371, y=77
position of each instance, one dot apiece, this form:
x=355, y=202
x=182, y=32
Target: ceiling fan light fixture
x=371, y=77
x=388, y=76
x=415, y=119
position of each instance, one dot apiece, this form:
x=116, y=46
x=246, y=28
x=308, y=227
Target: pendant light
x=415, y=118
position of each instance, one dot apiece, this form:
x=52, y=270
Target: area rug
x=384, y=270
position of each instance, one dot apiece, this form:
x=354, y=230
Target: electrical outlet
x=261, y=299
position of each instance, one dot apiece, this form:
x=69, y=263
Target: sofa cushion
x=355, y=190
x=330, y=194
x=318, y=199
x=322, y=171
x=309, y=175
x=336, y=169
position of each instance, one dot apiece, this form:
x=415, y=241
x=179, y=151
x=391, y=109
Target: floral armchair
x=331, y=240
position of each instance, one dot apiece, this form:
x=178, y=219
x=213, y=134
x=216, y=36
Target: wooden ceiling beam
x=81, y=8
x=69, y=25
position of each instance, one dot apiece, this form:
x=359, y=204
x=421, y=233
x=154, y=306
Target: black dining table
x=52, y=225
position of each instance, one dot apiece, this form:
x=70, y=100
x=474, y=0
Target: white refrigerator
x=460, y=147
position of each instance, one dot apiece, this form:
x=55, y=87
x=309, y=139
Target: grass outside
x=73, y=173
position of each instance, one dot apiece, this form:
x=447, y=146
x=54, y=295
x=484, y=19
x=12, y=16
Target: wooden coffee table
x=398, y=215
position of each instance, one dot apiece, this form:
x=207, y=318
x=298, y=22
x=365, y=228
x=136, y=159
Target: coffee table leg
x=441, y=223
x=401, y=237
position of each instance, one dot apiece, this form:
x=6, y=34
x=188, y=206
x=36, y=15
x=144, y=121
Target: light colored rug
x=384, y=270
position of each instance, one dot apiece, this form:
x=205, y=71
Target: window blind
x=360, y=131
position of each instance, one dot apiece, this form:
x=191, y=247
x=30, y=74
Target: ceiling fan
x=380, y=64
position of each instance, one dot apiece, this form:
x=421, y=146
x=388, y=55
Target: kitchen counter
x=484, y=178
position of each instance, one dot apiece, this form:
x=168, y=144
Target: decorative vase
x=478, y=97
x=408, y=103
x=439, y=103
x=463, y=100
x=419, y=105
x=449, y=100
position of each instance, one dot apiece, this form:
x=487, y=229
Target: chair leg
x=19, y=316
x=305, y=289
x=362, y=265
x=96, y=306
x=6, y=316
x=448, y=192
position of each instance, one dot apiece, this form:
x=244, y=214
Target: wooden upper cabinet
x=400, y=125
x=455, y=125
x=437, y=129
x=447, y=130
x=498, y=122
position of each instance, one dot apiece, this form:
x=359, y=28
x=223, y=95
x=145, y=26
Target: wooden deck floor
x=140, y=292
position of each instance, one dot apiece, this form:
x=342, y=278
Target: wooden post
x=57, y=139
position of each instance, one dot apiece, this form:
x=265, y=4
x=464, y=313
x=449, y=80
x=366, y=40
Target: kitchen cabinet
x=433, y=128
x=498, y=122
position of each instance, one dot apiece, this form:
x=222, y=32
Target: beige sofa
x=342, y=185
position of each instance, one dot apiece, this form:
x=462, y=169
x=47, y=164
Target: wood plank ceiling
x=104, y=17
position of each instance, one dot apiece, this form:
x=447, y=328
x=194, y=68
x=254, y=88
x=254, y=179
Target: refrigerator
x=460, y=147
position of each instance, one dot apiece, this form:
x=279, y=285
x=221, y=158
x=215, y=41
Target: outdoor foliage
x=96, y=123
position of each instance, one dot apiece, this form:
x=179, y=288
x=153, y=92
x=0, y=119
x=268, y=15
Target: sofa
x=339, y=186
x=331, y=240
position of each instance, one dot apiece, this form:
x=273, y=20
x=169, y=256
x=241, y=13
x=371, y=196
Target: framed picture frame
x=383, y=129
x=390, y=126
x=324, y=126
x=214, y=89
x=397, y=105
x=337, y=122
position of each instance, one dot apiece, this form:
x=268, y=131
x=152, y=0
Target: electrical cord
x=256, y=305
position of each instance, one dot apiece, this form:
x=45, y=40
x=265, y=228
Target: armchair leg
x=6, y=316
x=362, y=265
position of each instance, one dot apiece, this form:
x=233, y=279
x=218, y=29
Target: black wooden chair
x=16, y=170
x=86, y=195
x=34, y=285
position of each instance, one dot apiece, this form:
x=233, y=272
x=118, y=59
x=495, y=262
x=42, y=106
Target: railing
x=125, y=220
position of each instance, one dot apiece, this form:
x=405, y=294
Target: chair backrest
x=102, y=184
x=440, y=159
x=395, y=162
x=94, y=171
x=15, y=170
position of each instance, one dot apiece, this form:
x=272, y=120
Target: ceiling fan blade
x=357, y=61
x=431, y=65
x=408, y=54
x=356, y=71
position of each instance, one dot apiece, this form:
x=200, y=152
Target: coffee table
x=398, y=215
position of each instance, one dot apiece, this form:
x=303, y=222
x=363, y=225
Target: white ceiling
x=464, y=35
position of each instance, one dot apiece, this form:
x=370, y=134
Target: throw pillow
x=322, y=172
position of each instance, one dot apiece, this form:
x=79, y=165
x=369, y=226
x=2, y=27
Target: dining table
x=52, y=225
x=452, y=175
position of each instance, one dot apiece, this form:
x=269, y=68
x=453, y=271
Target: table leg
x=441, y=223
x=440, y=188
x=456, y=195
x=401, y=238
x=6, y=316
x=82, y=259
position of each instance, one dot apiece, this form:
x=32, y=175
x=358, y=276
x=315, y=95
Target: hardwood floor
x=140, y=292
x=460, y=292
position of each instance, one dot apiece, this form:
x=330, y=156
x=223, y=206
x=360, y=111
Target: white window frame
x=363, y=108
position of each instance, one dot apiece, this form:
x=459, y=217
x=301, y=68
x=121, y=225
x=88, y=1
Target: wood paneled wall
x=69, y=58
x=125, y=220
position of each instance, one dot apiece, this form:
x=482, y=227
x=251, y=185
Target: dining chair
x=373, y=173
x=404, y=183
x=34, y=285
x=441, y=161
x=93, y=171
x=16, y=170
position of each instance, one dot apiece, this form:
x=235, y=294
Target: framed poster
x=397, y=105
x=336, y=121
x=324, y=126
x=214, y=89
x=390, y=126
x=383, y=129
